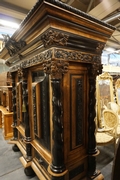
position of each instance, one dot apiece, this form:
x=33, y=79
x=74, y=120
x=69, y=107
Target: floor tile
x=12, y=169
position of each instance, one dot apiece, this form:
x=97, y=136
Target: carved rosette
x=55, y=68
x=53, y=37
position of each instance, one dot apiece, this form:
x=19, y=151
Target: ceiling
x=105, y=10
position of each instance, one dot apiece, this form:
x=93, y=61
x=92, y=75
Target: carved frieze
x=58, y=54
x=76, y=55
x=37, y=59
x=53, y=37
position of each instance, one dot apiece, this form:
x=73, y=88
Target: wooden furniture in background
x=6, y=107
x=5, y=79
x=54, y=58
x=6, y=97
x=6, y=119
x=111, y=131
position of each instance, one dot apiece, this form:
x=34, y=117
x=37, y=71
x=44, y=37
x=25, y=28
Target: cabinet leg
x=15, y=148
x=29, y=172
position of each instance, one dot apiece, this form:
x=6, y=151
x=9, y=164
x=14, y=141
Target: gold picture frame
x=117, y=91
x=104, y=94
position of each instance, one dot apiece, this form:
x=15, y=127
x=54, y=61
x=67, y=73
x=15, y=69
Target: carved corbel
x=94, y=70
x=55, y=68
x=100, y=47
x=22, y=73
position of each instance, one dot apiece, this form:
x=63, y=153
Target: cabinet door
x=75, y=98
x=41, y=108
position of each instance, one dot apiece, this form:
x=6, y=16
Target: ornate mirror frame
x=104, y=94
x=117, y=91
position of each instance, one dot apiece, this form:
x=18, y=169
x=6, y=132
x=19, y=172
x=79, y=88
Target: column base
x=29, y=172
x=98, y=176
x=15, y=148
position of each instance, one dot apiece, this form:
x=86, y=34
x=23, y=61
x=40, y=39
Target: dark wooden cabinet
x=54, y=59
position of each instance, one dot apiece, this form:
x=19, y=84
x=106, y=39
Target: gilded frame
x=104, y=94
x=117, y=91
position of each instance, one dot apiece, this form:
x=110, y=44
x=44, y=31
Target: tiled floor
x=12, y=169
x=10, y=165
x=105, y=160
